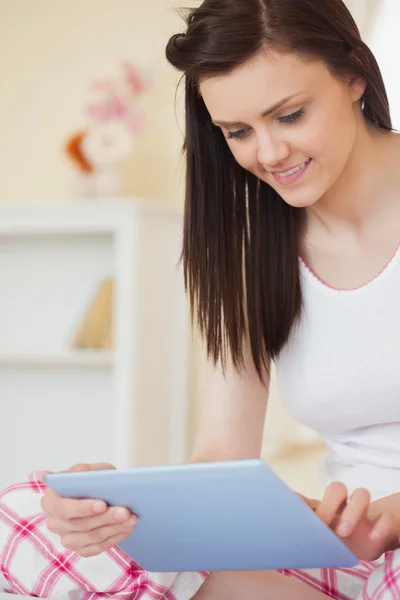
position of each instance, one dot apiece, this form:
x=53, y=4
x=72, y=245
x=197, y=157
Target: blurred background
x=97, y=359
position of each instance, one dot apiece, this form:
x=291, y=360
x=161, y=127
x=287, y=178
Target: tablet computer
x=215, y=516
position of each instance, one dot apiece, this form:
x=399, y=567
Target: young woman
x=291, y=254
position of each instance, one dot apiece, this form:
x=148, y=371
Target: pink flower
x=115, y=107
x=116, y=102
x=97, y=111
x=134, y=79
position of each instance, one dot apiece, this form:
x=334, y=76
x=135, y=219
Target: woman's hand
x=367, y=536
x=88, y=527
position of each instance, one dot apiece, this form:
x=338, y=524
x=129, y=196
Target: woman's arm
x=233, y=413
x=231, y=428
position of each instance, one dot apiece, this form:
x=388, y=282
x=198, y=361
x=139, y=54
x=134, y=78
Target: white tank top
x=339, y=374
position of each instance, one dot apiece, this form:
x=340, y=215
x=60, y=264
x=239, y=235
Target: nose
x=271, y=151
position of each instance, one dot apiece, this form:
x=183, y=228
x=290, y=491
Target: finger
x=89, y=467
x=355, y=510
x=40, y=474
x=114, y=515
x=309, y=501
x=68, y=508
x=95, y=549
x=383, y=527
x=97, y=537
x=332, y=503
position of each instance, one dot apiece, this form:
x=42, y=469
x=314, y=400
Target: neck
x=357, y=195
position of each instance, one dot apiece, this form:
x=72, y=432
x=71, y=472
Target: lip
x=291, y=178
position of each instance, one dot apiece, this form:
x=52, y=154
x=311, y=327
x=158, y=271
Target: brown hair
x=241, y=240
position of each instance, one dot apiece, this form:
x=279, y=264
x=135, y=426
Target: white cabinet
x=60, y=406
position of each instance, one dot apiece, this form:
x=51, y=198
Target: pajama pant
x=34, y=563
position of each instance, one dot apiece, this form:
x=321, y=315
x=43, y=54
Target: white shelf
x=60, y=405
x=59, y=358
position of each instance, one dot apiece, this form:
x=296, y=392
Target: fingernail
x=130, y=522
x=99, y=507
x=375, y=534
x=344, y=528
x=120, y=514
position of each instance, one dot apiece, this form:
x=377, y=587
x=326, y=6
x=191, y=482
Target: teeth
x=292, y=171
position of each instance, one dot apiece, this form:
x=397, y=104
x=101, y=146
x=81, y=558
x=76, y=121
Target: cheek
x=329, y=138
x=317, y=133
x=339, y=145
x=245, y=153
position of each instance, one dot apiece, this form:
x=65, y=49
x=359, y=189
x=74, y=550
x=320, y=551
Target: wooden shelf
x=59, y=358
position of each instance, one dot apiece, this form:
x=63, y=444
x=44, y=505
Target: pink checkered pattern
x=378, y=580
x=33, y=563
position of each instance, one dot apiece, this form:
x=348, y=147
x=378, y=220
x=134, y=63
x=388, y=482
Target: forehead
x=261, y=82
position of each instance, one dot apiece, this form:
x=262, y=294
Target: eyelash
x=293, y=117
x=288, y=119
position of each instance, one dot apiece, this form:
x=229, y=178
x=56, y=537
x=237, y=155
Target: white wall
x=384, y=42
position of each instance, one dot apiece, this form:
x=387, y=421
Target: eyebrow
x=264, y=114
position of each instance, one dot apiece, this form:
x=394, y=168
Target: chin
x=300, y=196
x=300, y=200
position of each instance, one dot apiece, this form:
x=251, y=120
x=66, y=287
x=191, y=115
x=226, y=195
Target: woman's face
x=288, y=121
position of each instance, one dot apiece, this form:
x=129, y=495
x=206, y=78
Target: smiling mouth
x=291, y=176
x=293, y=170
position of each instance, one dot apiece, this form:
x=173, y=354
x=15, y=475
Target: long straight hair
x=241, y=240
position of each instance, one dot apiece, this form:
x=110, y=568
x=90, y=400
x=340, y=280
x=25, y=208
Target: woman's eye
x=293, y=117
x=237, y=135
x=240, y=134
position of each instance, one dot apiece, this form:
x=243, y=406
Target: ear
x=357, y=87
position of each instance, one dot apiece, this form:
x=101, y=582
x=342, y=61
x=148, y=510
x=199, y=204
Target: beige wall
x=49, y=52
